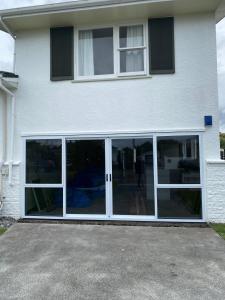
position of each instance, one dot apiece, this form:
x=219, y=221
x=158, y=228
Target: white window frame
x=88, y=136
x=116, y=51
x=144, y=47
x=177, y=186
x=44, y=185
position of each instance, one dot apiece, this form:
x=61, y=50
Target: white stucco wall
x=216, y=191
x=163, y=102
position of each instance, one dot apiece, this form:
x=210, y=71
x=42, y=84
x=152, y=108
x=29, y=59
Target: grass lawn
x=2, y=230
x=219, y=228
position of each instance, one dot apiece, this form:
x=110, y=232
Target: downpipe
x=1, y=197
x=12, y=129
x=8, y=92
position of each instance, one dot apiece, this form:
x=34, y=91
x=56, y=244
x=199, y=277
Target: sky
x=6, y=50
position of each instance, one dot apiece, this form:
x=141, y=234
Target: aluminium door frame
x=87, y=216
x=130, y=217
x=110, y=136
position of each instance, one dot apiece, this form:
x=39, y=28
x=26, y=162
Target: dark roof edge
x=8, y=74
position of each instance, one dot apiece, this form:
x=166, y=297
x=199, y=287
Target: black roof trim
x=8, y=74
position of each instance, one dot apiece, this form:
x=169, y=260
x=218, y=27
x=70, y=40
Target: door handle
x=108, y=177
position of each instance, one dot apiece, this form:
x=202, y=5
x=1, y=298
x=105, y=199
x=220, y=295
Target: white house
x=114, y=112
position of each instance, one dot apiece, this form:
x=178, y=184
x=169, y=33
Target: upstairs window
x=111, y=51
x=131, y=42
x=95, y=52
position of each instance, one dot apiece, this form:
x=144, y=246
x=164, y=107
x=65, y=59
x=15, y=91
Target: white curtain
x=86, y=58
x=134, y=58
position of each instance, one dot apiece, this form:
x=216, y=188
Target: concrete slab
x=82, y=262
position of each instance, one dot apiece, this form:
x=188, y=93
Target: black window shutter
x=161, y=46
x=61, y=47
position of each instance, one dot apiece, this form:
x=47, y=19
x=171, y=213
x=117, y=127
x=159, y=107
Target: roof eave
x=220, y=12
x=68, y=6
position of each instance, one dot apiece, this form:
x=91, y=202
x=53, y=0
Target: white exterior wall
x=173, y=103
x=11, y=194
x=216, y=191
x=162, y=102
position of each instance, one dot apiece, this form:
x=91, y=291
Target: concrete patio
x=64, y=261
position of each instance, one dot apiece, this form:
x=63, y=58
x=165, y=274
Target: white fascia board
x=70, y=6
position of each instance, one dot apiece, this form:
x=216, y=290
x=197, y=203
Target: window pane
x=133, y=179
x=85, y=165
x=131, y=61
x=96, y=52
x=131, y=36
x=180, y=203
x=43, y=161
x=44, y=202
x=178, y=160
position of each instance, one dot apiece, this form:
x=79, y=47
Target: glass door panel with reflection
x=85, y=177
x=133, y=177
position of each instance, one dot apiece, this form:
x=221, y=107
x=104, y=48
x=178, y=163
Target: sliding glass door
x=85, y=177
x=132, y=177
x=110, y=177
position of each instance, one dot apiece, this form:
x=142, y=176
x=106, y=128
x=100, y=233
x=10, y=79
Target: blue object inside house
x=208, y=121
x=88, y=186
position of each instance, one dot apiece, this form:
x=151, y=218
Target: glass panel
x=44, y=161
x=96, y=52
x=44, y=202
x=179, y=203
x=85, y=177
x=133, y=180
x=178, y=160
x=131, y=61
x=131, y=36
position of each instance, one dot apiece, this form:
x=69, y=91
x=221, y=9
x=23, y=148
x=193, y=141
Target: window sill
x=112, y=78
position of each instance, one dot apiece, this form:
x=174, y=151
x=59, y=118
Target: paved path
x=82, y=262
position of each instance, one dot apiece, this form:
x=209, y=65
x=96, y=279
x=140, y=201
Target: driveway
x=64, y=261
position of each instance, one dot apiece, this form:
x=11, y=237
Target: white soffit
x=95, y=11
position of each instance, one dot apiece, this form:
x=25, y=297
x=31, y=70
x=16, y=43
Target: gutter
x=12, y=128
x=7, y=28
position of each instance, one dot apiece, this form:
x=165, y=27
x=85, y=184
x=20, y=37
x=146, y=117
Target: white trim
x=203, y=177
x=122, y=133
x=216, y=162
x=155, y=170
x=15, y=163
x=86, y=217
x=179, y=186
x=132, y=48
x=64, y=164
x=145, y=48
x=43, y=185
x=118, y=218
x=108, y=160
x=23, y=178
